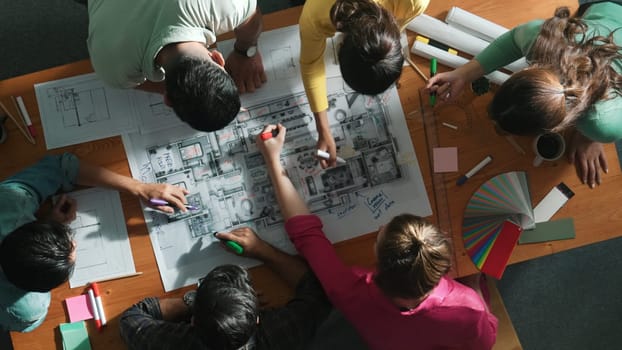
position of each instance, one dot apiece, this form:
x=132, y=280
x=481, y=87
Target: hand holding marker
x=322, y=154
x=155, y=201
x=235, y=246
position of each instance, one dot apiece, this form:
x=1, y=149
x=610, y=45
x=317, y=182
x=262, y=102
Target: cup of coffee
x=548, y=146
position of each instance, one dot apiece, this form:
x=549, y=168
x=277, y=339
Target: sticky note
x=445, y=159
x=78, y=308
x=75, y=336
x=549, y=231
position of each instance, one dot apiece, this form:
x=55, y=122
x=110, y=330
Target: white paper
x=81, y=109
x=226, y=177
x=102, y=244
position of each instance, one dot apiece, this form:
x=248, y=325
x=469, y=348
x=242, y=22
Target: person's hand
x=254, y=247
x=589, y=159
x=175, y=195
x=448, y=86
x=247, y=72
x=326, y=142
x=64, y=210
x=271, y=148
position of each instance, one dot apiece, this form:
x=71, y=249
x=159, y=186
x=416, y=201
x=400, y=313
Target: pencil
x=414, y=66
x=24, y=131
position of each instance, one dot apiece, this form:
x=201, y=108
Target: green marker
x=235, y=246
x=432, y=73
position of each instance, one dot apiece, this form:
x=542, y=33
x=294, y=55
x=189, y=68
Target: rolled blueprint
x=473, y=24
x=454, y=61
x=453, y=37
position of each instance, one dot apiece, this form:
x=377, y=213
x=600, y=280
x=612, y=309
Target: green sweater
x=603, y=121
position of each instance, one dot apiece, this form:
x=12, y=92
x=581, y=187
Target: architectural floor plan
x=227, y=180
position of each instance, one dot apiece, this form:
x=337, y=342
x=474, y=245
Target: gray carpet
x=570, y=300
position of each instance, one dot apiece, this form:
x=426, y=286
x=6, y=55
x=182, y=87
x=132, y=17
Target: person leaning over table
x=370, y=58
x=225, y=313
x=163, y=46
x=574, y=81
x=407, y=302
x=37, y=252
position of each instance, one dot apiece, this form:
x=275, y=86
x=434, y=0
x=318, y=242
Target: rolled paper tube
x=473, y=24
x=440, y=31
x=453, y=61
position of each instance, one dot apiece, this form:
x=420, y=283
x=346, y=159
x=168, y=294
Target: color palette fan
x=494, y=217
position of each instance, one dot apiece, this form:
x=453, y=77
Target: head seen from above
x=226, y=308
x=370, y=57
x=568, y=73
x=38, y=256
x=412, y=255
x=201, y=93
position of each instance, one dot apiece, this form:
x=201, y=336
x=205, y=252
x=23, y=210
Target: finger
x=250, y=84
x=174, y=201
x=603, y=162
x=591, y=175
x=165, y=208
x=597, y=171
x=323, y=163
x=241, y=86
x=61, y=201
x=264, y=77
x=583, y=171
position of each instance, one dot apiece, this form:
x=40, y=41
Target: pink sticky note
x=445, y=159
x=78, y=308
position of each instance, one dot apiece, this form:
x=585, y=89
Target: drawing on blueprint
x=102, y=245
x=82, y=108
x=227, y=179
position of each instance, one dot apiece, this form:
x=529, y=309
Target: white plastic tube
x=473, y=24
x=440, y=31
x=454, y=61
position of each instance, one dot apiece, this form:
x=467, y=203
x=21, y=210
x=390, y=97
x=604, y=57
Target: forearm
x=290, y=268
x=96, y=176
x=471, y=71
x=174, y=310
x=321, y=121
x=290, y=201
x=247, y=34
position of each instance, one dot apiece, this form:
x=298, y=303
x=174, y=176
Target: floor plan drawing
x=152, y=113
x=102, y=245
x=227, y=179
x=81, y=108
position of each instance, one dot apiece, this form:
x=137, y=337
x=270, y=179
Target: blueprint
x=228, y=181
x=83, y=108
x=102, y=245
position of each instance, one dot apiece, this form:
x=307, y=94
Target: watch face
x=251, y=52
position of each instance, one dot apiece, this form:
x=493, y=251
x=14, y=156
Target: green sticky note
x=549, y=231
x=75, y=336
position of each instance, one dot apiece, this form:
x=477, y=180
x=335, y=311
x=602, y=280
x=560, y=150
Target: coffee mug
x=548, y=146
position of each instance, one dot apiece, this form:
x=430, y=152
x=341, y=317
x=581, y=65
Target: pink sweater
x=453, y=316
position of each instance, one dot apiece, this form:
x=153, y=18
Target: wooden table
x=596, y=217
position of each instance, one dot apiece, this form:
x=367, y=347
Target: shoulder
x=525, y=34
x=27, y=309
x=603, y=121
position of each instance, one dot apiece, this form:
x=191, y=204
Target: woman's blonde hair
x=568, y=73
x=412, y=256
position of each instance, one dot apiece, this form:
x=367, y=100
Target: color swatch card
x=494, y=217
x=549, y=231
x=75, y=336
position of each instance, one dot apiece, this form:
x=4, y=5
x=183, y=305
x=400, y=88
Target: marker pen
x=27, y=121
x=155, y=201
x=473, y=171
x=98, y=303
x=269, y=134
x=98, y=322
x=432, y=73
x=235, y=246
x=326, y=155
x=436, y=44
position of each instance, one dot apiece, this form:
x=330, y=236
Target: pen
x=473, y=171
x=325, y=155
x=432, y=73
x=93, y=303
x=98, y=303
x=235, y=246
x=155, y=201
x=269, y=134
x=22, y=107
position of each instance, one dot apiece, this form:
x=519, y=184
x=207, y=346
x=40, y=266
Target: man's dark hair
x=225, y=308
x=37, y=256
x=202, y=93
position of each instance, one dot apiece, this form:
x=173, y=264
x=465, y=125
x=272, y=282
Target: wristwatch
x=189, y=298
x=250, y=52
